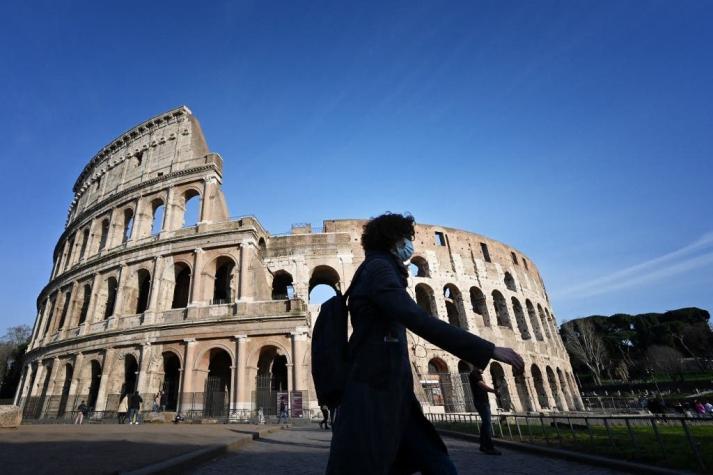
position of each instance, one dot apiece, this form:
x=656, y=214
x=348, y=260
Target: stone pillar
x=41, y=317
x=290, y=374
x=242, y=399
x=209, y=184
x=116, y=229
x=120, y=285
x=299, y=343
x=76, y=375
x=199, y=255
x=39, y=379
x=51, y=386
x=142, y=379
x=107, y=363
x=244, y=266
x=233, y=387
x=189, y=356
x=91, y=308
x=23, y=388
x=155, y=291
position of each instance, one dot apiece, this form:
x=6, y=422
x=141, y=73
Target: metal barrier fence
x=655, y=440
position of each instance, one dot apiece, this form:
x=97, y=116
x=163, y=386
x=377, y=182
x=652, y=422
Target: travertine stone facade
x=216, y=312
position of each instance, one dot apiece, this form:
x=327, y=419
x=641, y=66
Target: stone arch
x=509, y=281
x=95, y=374
x=454, y=306
x=543, y=320
x=574, y=390
x=426, y=299
x=171, y=380
x=181, y=285
x=158, y=213
x=223, y=280
x=520, y=319
x=64, y=394
x=85, y=243
x=189, y=216
x=104, y=233
x=442, y=393
x=282, y=285
x=271, y=377
x=500, y=383
x=523, y=393
x=501, y=310
x=554, y=390
x=324, y=275
x=533, y=320
x=86, y=298
x=128, y=224
x=140, y=302
x=480, y=305
x=108, y=297
x=214, y=378
x=540, y=387
x=419, y=267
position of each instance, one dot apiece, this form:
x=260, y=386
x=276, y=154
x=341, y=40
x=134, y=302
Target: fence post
x=544, y=432
x=631, y=434
x=589, y=430
x=693, y=444
x=611, y=440
x=658, y=437
x=571, y=428
x=517, y=425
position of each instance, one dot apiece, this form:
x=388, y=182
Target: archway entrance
x=217, y=384
x=502, y=396
x=171, y=378
x=94, y=384
x=271, y=379
x=68, y=373
x=131, y=368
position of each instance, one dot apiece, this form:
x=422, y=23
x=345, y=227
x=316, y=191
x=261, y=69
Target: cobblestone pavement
x=304, y=451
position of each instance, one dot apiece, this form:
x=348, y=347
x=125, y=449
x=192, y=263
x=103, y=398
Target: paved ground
x=304, y=451
x=105, y=448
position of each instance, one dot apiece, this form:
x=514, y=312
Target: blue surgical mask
x=403, y=249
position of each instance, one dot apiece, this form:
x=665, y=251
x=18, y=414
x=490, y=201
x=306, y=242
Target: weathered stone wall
x=224, y=304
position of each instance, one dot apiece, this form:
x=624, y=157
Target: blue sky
x=579, y=132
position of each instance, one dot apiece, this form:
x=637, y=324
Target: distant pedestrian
x=82, y=411
x=163, y=401
x=260, y=416
x=480, y=392
x=123, y=409
x=699, y=408
x=135, y=402
x=324, y=423
x=283, y=410
x=709, y=408
x=156, y=402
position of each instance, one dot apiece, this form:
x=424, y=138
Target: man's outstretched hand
x=509, y=356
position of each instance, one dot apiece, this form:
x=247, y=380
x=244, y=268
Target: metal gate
x=216, y=403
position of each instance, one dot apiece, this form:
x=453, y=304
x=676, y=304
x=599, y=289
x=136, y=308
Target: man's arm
x=393, y=301
x=485, y=387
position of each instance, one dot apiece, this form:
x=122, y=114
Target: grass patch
x=671, y=449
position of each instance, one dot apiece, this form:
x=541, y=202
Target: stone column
x=233, y=387
x=39, y=378
x=189, y=356
x=107, y=363
x=242, y=400
x=142, y=377
x=91, y=308
x=244, y=266
x=199, y=255
x=49, y=394
x=299, y=343
x=169, y=217
x=41, y=316
x=206, y=200
x=22, y=389
x=76, y=374
x=155, y=291
x=290, y=373
x=119, y=303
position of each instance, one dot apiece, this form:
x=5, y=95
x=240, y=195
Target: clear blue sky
x=579, y=132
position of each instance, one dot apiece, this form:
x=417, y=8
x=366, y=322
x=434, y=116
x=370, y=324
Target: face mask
x=404, y=249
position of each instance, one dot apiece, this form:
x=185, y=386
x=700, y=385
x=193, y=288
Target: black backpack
x=330, y=348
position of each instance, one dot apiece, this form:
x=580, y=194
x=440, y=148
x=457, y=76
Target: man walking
x=480, y=392
x=82, y=411
x=325, y=417
x=283, y=410
x=134, y=407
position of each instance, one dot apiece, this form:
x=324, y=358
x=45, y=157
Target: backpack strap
x=358, y=272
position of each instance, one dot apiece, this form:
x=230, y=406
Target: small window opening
x=486, y=253
x=440, y=239
x=524, y=262
x=514, y=258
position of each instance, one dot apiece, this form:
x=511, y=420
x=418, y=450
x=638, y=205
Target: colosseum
x=156, y=288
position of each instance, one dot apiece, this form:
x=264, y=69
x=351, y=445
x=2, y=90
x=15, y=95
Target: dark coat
x=379, y=402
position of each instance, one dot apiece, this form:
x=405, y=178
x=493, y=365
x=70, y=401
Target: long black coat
x=379, y=402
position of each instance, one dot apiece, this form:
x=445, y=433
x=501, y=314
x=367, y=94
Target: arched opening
x=217, y=384
x=171, y=378
x=111, y=287
x=143, y=278
x=282, y=287
x=182, y=285
x=271, y=379
x=262, y=246
x=157, y=214
x=523, y=393
x=128, y=224
x=440, y=389
x=565, y=390
x=131, y=370
x=510, y=282
x=533, y=320
x=86, y=297
x=419, y=267
x=104, y=234
x=426, y=300
x=574, y=391
x=464, y=369
x=85, y=242
x=191, y=208
x=553, y=388
x=94, y=384
x=68, y=373
x=323, y=284
x=480, y=305
x=454, y=306
x=520, y=319
x=502, y=395
x=50, y=313
x=543, y=320
x=222, y=288
x=501, y=310
x=65, y=309
x=540, y=387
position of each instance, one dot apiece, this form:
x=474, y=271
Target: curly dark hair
x=382, y=232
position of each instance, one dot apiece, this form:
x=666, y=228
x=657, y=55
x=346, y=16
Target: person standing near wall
x=134, y=407
x=82, y=411
x=480, y=392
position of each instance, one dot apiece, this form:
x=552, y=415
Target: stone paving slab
x=304, y=451
x=107, y=448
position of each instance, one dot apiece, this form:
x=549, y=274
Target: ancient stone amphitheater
x=155, y=288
